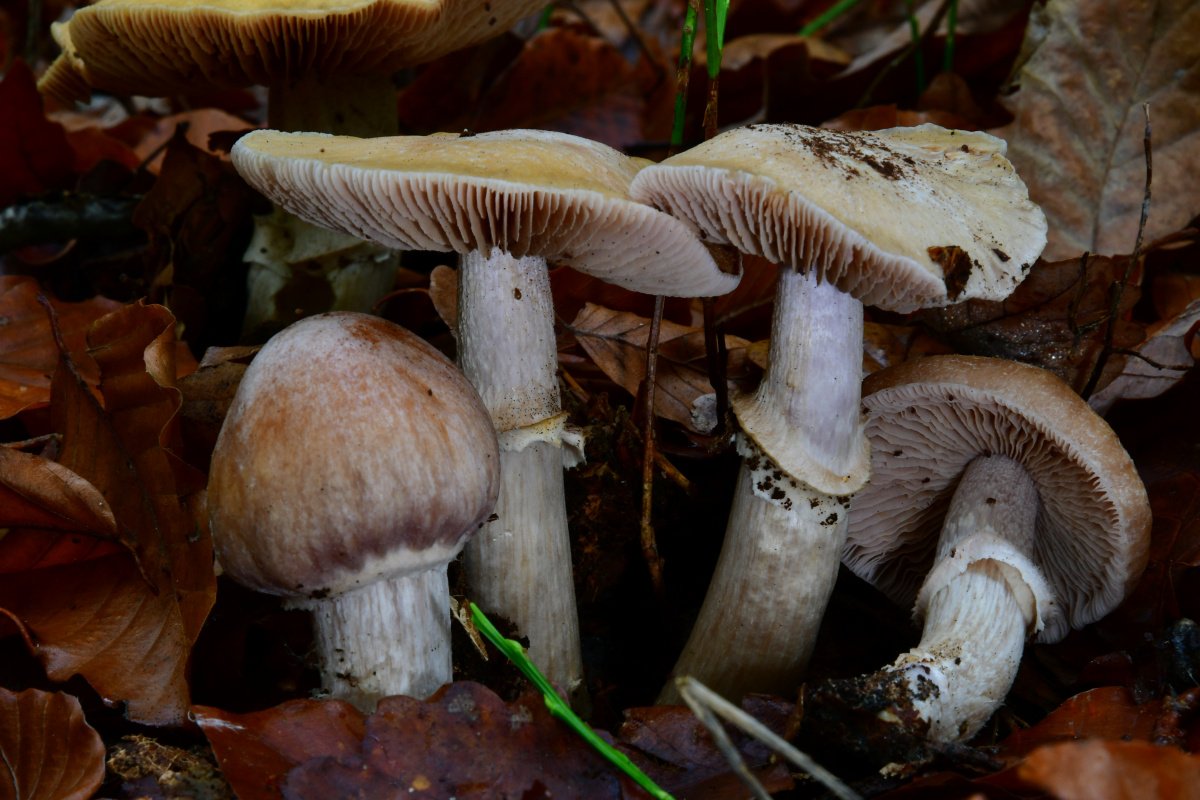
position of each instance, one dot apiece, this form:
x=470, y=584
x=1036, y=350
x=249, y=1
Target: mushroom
x=1000, y=507
x=354, y=462
x=328, y=65
x=506, y=201
x=902, y=219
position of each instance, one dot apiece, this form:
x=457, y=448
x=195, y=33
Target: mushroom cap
x=930, y=417
x=353, y=451
x=902, y=219
x=526, y=192
x=165, y=46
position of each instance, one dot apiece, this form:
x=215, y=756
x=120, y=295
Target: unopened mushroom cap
x=930, y=417
x=902, y=219
x=165, y=46
x=353, y=451
x=528, y=193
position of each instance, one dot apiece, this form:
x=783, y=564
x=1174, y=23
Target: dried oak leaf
x=1113, y=770
x=1077, y=136
x=616, y=342
x=125, y=622
x=463, y=742
x=1055, y=319
x=48, y=750
x=34, y=154
x=27, y=351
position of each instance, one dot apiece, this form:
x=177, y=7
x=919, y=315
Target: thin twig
x=649, y=540
x=636, y=34
x=912, y=47
x=704, y=702
x=1135, y=259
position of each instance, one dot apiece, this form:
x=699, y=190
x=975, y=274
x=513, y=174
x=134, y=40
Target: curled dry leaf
x=616, y=341
x=47, y=749
x=1113, y=770
x=27, y=351
x=1077, y=139
x=1156, y=364
x=125, y=623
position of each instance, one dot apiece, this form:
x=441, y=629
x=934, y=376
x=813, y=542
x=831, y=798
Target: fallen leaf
x=257, y=750
x=104, y=617
x=569, y=81
x=1113, y=770
x=48, y=750
x=1109, y=712
x=1077, y=136
x=1160, y=361
x=616, y=342
x=27, y=351
x=34, y=154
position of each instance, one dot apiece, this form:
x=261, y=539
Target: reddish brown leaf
x=569, y=81
x=38, y=493
x=48, y=750
x=464, y=742
x=256, y=751
x=127, y=631
x=1113, y=770
x=34, y=154
x=890, y=116
x=27, y=350
x=616, y=341
x=1106, y=713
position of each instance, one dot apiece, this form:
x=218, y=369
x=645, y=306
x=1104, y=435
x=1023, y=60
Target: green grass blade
x=687, y=40
x=558, y=707
x=828, y=16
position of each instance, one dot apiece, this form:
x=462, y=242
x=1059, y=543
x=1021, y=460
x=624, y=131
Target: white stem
x=764, y=605
x=389, y=637
x=519, y=564
x=979, y=602
x=779, y=561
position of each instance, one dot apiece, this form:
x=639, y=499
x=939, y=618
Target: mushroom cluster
x=901, y=219
x=353, y=464
x=506, y=201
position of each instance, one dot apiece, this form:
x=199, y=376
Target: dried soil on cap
x=903, y=218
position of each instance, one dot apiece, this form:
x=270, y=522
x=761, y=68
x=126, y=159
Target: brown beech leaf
x=1077, y=139
x=257, y=750
x=1113, y=770
x=27, y=350
x=1055, y=319
x=36, y=492
x=616, y=341
x=1109, y=712
x=1162, y=594
x=48, y=750
x=126, y=624
x=463, y=742
x=570, y=81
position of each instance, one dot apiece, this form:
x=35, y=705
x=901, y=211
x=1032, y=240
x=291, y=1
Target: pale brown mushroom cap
x=353, y=451
x=167, y=46
x=902, y=219
x=928, y=418
x=528, y=193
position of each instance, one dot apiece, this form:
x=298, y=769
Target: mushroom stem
x=294, y=265
x=784, y=538
x=979, y=602
x=388, y=637
x=519, y=564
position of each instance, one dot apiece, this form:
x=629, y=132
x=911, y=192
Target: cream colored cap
x=902, y=219
x=165, y=46
x=930, y=417
x=528, y=193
